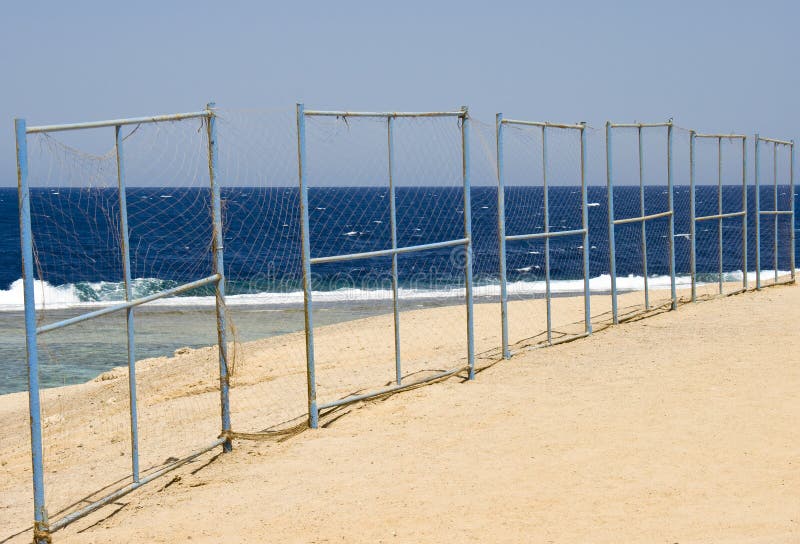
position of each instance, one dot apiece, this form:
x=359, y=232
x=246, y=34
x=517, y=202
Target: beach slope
x=681, y=427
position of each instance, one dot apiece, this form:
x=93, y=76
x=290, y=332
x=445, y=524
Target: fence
x=526, y=222
x=102, y=199
x=392, y=190
x=724, y=199
x=393, y=251
x=664, y=210
x=776, y=212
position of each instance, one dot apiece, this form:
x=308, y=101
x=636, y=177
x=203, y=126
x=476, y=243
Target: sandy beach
x=676, y=428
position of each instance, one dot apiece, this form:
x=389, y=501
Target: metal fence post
x=757, y=204
x=393, y=225
x=501, y=235
x=612, y=258
x=791, y=216
x=719, y=211
x=692, y=215
x=643, y=223
x=546, y=214
x=671, y=200
x=313, y=412
x=775, y=201
x=744, y=209
x=219, y=268
x=41, y=524
x=465, y=126
x=587, y=311
x=129, y=318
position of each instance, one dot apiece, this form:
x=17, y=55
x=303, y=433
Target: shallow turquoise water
x=81, y=352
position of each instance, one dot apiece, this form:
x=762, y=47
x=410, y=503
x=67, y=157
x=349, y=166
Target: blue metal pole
x=546, y=218
x=311, y=380
x=775, y=201
x=719, y=211
x=692, y=216
x=744, y=209
x=671, y=199
x=757, y=205
x=791, y=217
x=465, y=126
x=219, y=268
x=643, y=223
x=612, y=258
x=393, y=224
x=41, y=524
x=587, y=295
x=129, y=323
x=501, y=235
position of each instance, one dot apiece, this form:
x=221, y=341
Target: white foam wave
x=55, y=296
x=108, y=293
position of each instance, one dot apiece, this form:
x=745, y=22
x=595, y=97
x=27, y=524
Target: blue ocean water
x=76, y=235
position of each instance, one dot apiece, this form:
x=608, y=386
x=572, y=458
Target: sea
x=78, y=267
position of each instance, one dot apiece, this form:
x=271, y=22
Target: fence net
x=349, y=212
x=527, y=166
x=774, y=194
x=75, y=206
x=75, y=214
x=719, y=190
x=640, y=182
x=258, y=174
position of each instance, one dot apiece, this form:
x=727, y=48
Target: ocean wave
x=103, y=293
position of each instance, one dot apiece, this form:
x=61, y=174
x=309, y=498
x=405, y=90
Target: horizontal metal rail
x=393, y=389
x=723, y=136
x=774, y=141
x=541, y=124
x=551, y=234
x=66, y=520
x=322, y=113
x=119, y=122
x=136, y=302
x=720, y=216
x=387, y=252
x=640, y=125
x=641, y=218
x=775, y=212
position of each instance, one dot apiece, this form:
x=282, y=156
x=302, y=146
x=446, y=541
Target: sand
x=676, y=428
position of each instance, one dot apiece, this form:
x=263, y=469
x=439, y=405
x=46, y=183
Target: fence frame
x=719, y=216
x=643, y=218
x=500, y=123
x=43, y=527
x=462, y=115
x=776, y=212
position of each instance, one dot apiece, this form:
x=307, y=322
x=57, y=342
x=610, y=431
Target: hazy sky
x=712, y=65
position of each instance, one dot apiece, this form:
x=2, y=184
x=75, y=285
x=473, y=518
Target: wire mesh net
x=719, y=189
x=79, y=267
x=543, y=194
x=774, y=177
x=257, y=170
x=75, y=216
x=350, y=212
x=639, y=158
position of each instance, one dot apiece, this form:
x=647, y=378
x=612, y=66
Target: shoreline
x=83, y=352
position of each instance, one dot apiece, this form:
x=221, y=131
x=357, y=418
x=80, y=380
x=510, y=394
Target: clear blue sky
x=712, y=65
